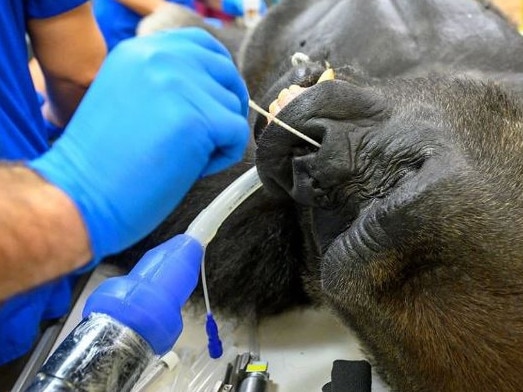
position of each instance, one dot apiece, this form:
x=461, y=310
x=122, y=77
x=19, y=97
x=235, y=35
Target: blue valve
x=214, y=343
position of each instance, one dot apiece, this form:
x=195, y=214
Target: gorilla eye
x=392, y=177
x=397, y=176
x=390, y=182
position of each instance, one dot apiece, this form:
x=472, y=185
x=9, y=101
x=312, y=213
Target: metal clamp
x=246, y=374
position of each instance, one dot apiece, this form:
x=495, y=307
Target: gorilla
x=407, y=220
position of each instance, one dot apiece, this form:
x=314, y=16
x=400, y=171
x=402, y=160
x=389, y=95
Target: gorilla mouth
x=288, y=94
x=286, y=91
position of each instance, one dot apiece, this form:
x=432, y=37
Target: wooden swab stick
x=271, y=117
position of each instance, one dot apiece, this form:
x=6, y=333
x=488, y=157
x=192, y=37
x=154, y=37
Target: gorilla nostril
x=306, y=188
x=301, y=151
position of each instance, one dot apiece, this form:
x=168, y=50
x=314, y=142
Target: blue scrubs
x=22, y=137
x=117, y=22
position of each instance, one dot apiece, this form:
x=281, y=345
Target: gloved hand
x=163, y=111
x=236, y=7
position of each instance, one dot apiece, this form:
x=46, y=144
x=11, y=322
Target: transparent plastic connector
x=206, y=224
x=197, y=372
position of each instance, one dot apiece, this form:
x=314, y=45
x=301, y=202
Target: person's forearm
x=142, y=7
x=62, y=97
x=70, y=49
x=214, y=4
x=37, y=76
x=42, y=233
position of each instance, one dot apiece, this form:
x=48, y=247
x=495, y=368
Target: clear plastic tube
x=204, y=227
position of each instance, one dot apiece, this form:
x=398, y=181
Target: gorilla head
x=412, y=210
x=407, y=220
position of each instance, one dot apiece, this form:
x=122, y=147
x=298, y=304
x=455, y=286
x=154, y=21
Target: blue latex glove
x=163, y=111
x=150, y=298
x=235, y=7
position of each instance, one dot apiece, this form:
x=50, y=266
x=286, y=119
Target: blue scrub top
x=117, y=22
x=23, y=136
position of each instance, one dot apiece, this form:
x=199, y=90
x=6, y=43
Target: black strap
x=349, y=376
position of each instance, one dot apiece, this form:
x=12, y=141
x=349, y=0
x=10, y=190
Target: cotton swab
x=271, y=117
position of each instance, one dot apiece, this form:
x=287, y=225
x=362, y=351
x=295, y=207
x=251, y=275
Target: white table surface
x=300, y=347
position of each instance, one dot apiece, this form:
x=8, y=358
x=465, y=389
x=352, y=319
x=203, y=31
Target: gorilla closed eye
x=394, y=175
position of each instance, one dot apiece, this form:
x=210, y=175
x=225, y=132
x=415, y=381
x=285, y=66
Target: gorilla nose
x=306, y=189
x=291, y=167
x=338, y=115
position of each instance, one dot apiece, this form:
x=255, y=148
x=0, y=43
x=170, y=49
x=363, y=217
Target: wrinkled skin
x=414, y=208
x=407, y=220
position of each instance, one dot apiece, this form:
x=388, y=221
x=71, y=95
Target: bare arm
x=142, y=7
x=43, y=235
x=70, y=49
x=214, y=4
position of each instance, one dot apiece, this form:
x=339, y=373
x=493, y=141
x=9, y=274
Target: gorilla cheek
x=333, y=267
x=350, y=265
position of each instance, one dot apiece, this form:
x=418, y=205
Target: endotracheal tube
x=204, y=227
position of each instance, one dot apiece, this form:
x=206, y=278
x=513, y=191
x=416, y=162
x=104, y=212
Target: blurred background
x=513, y=9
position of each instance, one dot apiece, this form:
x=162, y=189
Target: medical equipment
x=256, y=378
x=110, y=352
x=168, y=362
x=192, y=370
x=127, y=321
x=285, y=126
x=105, y=354
x=246, y=374
x=87, y=358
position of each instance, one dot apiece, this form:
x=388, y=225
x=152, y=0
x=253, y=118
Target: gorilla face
x=408, y=219
x=412, y=206
x=378, y=159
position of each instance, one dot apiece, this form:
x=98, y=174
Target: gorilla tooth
x=326, y=75
x=284, y=97
x=283, y=94
x=288, y=94
x=294, y=88
x=274, y=108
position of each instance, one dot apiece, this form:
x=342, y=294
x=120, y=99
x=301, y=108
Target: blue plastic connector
x=214, y=344
x=149, y=299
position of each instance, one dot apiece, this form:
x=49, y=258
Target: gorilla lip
x=287, y=95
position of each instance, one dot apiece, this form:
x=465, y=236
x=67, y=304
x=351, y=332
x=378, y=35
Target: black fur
x=407, y=221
